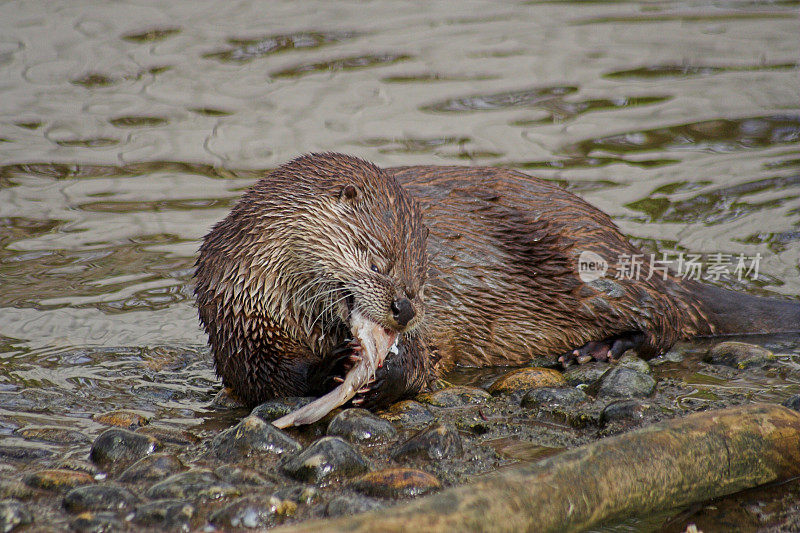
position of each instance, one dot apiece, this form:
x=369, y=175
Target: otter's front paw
x=395, y=380
x=330, y=372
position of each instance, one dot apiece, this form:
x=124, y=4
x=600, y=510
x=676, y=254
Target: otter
x=461, y=265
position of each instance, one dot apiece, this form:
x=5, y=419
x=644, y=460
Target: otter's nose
x=403, y=311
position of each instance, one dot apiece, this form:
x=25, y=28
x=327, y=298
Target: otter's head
x=331, y=234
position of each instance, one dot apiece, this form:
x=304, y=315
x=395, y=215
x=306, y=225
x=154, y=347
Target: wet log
x=665, y=465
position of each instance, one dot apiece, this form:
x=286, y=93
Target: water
x=127, y=129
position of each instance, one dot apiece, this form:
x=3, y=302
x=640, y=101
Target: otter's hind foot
x=609, y=349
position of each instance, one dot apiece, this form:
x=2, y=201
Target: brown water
x=128, y=129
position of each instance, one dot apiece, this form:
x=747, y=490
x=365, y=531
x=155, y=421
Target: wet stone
x=326, y=458
x=274, y=409
x=13, y=488
x=13, y=452
x=193, y=484
x=119, y=448
x=585, y=374
x=361, y=426
x=89, y=522
x=13, y=513
x=164, y=514
x=396, y=483
x=239, y=476
x=253, y=513
x=122, y=418
x=100, y=497
x=299, y=494
x=563, y=404
x=520, y=381
x=474, y=426
x=53, y=434
x=252, y=436
x=793, y=402
x=408, y=413
x=629, y=360
x=675, y=355
x=351, y=504
x=169, y=435
x=554, y=396
x=738, y=355
x=57, y=479
x=455, y=397
x=545, y=362
x=439, y=441
x=624, y=411
x=152, y=468
x=621, y=382
x=79, y=466
x=225, y=400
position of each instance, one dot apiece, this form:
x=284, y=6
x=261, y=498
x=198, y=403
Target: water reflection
x=680, y=71
x=341, y=64
x=248, y=49
x=719, y=135
x=489, y=102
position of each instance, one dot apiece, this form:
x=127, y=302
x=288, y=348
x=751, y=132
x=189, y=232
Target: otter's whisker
x=326, y=309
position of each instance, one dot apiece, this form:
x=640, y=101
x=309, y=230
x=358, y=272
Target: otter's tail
x=730, y=312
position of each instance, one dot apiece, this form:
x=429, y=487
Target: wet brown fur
x=495, y=284
x=271, y=277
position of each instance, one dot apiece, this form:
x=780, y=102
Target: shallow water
x=128, y=129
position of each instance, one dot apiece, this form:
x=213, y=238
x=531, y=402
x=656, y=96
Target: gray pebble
x=439, y=441
x=13, y=513
x=96, y=523
x=252, y=436
x=54, y=434
x=550, y=396
x=325, y=458
x=359, y=425
x=12, y=452
x=164, y=514
x=169, y=435
x=224, y=401
x=239, y=476
x=274, y=409
x=152, y=468
x=192, y=484
x=251, y=513
x=408, y=413
x=624, y=411
x=621, y=382
x=118, y=448
x=563, y=404
x=350, y=505
x=738, y=355
x=585, y=374
x=101, y=497
x=299, y=494
x=14, y=488
x=629, y=360
x=455, y=397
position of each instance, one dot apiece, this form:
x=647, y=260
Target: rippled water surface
x=127, y=129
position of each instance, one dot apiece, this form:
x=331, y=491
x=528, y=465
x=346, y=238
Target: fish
x=373, y=343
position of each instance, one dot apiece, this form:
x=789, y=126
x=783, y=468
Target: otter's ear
x=427, y=232
x=349, y=193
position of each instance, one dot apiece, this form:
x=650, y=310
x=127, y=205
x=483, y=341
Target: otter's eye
x=375, y=269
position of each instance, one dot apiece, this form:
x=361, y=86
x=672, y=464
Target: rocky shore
x=144, y=473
